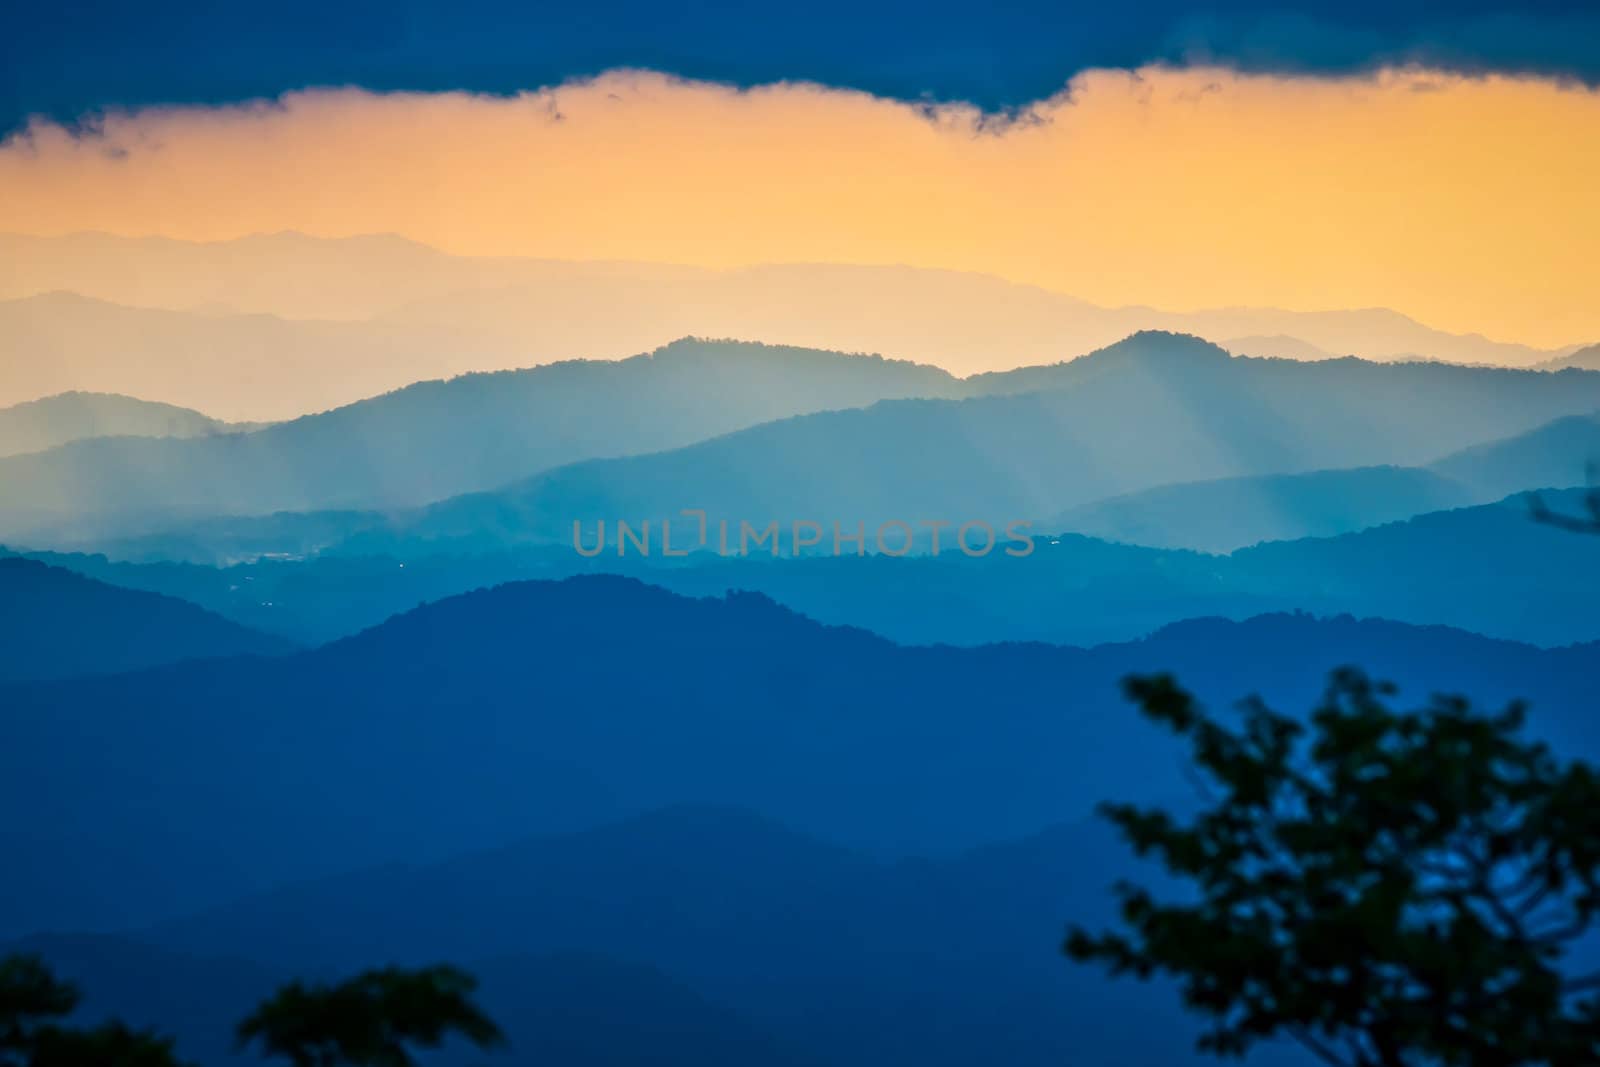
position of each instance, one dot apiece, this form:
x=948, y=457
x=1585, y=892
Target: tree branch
x=1320, y=1050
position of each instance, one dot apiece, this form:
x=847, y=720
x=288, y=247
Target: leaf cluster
x=1387, y=887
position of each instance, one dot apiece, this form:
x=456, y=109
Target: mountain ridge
x=1155, y=408
x=512, y=695
x=1536, y=584
x=1223, y=515
x=479, y=313
x=436, y=438
x=1582, y=358
x=59, y=419
x=60, y=624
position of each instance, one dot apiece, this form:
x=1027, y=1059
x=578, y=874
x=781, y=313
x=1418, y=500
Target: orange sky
x=1467, y=203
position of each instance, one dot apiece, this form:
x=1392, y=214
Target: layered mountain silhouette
x=833, y=808
x=846, y=957
x=540, y=707
x=38, y=425
x=1152, y=410
x=1229, y=513
x=1586, y=358
x=435, y=439
x=1490, y=568
x=1215, y=516
x=749, y=943
x=59, y=624
x=1560, y=454
x=259, y=367
x=1279, y=346
x=437, y=315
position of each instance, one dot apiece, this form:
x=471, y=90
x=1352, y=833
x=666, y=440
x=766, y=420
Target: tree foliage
x=372, y=1020
x=1390, y=888
x=111, y=1044
x=375, y=1019
x=33, y=1005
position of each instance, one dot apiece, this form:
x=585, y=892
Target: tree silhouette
x=371, y=1020
x=30, y=996
x=32, y=1003
x=108, y=1045
x=1388, y=888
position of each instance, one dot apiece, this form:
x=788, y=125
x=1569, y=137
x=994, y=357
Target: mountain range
x=1531, y=581
x=1226, y=514
x=1151, y=410
x=1587, y=358
x=43, y=424
x=480, y=718
x=351, y=688
x=693, y=934
x=1231, y=513
x=60, y=624
x=435, y=439
x=260, y=366
x=273, y=326
x=1559, y=454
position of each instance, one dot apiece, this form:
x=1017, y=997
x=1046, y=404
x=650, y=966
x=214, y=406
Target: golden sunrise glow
x=1467, y=203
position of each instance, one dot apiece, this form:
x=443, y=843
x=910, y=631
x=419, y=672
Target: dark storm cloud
x=66, y=60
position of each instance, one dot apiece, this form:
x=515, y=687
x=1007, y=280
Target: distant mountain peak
x=1160, y=350
x=1277, y=346
x=1301, y=624
x=693, y=347
x=57, y=298
x=78, y=414
x=1585, y=358
x=1162, y=344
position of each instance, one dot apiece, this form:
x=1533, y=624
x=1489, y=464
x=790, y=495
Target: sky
x=1435, y=157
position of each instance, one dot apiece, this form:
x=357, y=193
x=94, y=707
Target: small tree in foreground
x=33, y=1003
x=1389, y=888
x=372, y=1020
